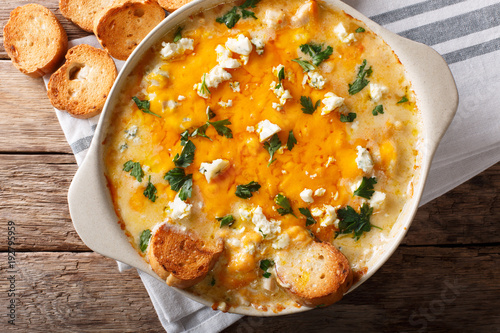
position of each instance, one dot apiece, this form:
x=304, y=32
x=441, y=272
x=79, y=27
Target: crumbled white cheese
x=277, y=70
x=331, y=159
x=244, y=59
x=216, y=76
x=131, y=132
x=343, y=35
x=180, y=209
x=240, y=45
x=273, y=18
x=263, y=225
x=377, y=199
x=250, y=129
x=267, y=129
x=171, y=104
x=281, y=242
x=201, y=92
x=227, y=104
x=330, y=216
x=235, y=86
x=225, y=59
x=306, y=195
x=316, y=212
x=170, y=50
x=259, y=45
x=155, y=74
x=315, y=80
x=277, y=106
x=377, y=91
x=212, y=170
x=364, y=160
x=319, y=192
x=303, y=14
x=181, y=98
x=280, y=92
x=331, y=102
x=245, y=213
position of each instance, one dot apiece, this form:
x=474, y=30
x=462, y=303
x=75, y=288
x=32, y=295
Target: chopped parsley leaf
x=353, y=223
x=212, y=283
x=291, y=141
x=226, y=220
x=317, y=55
x=379, y=109
x=232, y=17
x=307, y=105
x=135, y=169
x=365, y=189
x=309, y=218
x=187, y=155
x=176, y=178
x=245, y=191
x=222, y=129
x=263, y=234
x=360, y=29
x=247, y=13
x=306, y=65
x=272, y=147
x=283, y=201
x=144, y=240
x=187, y=188
x=349, y=118
x=204, y=88
x=144, y=106
x=150, y=191
x=403, y=100
x=361, y=82
x=184, y=137
x=281, y=77
x=265, y=264
x=200, y=131
x=178, y=35
x=210, y=113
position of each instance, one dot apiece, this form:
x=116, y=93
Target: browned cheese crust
x=121, y=27
x=318, y=275
x=34, y=40
x=82, y=84
x=181, y=257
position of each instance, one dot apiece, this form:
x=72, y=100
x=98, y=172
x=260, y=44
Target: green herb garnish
x=222, y=129
x=245, y=191
x=353, y=223
x=184, y=137
x=135, y=169
x=200, y=131
x=179, y=181
x=379, y=109
x=317, y=55
x=204, y=88
x=283, y=201
x=365, y=189
x=212, y=283
x=265, y=264
x=403, y=100
x=144, y=240
x=360, y=82
x=309, y=218
x=291, y=142
x=150, y=191
x=272, y=147
x=306, y=65
x=360, y=29
x=349, y=118
x=144, y=106
x=226, y=220
x=187, y=155
x=232, y=17
x=281, y=77
x=307, y=105
x=178, y=35
x=210, y=113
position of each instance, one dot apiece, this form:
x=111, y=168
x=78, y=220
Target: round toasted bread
x=181, y=258
x=34, y=40
x=121, y=27
x=317, y=275
x=81, y=86
x=83, y=12
x=171, y=5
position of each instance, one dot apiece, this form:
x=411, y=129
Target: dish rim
x=437, y=100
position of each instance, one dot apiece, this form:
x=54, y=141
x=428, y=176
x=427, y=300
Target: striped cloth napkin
x=466, y=33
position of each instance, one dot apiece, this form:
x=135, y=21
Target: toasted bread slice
x=171, y=5
x=318, y=274
x=82, y=84
x=121, y=27
x=34, y=40
x=181, y=257
x=83, y=12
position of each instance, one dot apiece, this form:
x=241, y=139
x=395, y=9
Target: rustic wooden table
x=444, y=277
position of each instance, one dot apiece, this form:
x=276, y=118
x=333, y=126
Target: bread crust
x=181, y=258
x=83, y=12
x=318, y=275
x=122, y=26
x=172, y=5
x=81, y=86
x=34, y=40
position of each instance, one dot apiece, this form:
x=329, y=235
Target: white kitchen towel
x=467, y=34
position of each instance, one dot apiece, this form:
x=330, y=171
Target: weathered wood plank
x=34, y=188
x=431, y=289
x=75, y=292
x=28, y=122
x=7, y=6
x=425, y=289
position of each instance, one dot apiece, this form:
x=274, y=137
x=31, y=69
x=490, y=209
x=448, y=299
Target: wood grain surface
x=445, y=277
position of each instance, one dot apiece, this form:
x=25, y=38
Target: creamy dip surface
x=297, y=125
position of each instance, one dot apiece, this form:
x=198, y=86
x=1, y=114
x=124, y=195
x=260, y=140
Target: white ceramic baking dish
x=90, y=202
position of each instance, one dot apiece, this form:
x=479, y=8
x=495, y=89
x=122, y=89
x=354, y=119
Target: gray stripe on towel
x=472, y=51
x=81, y=144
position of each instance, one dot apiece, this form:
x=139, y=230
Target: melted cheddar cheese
x=320, y=172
